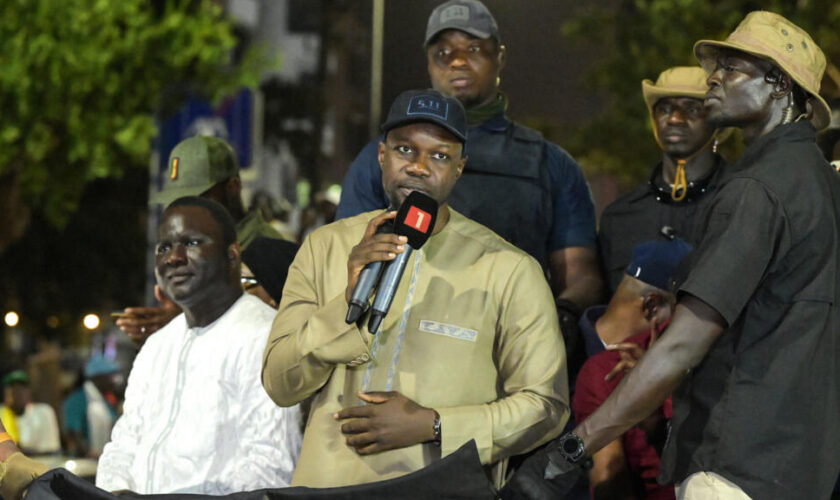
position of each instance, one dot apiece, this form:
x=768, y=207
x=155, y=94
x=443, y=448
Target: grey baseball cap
x=195, y=165
x=469, y=16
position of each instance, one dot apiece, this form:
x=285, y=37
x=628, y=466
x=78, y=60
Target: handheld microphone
x=360, y=300
x=415, y=220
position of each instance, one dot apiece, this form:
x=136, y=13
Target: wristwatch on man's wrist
x=436, y=428
x=569, y=454
x=572, y=448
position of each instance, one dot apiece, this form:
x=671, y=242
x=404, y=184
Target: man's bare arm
x=610, y=477
x=694, y=328
x=576, y=276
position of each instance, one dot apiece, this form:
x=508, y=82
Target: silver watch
x=436, y=428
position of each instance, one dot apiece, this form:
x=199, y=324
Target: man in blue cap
x=526, y=189
x=91, y=410
x=640, y=293
x=470, y=349
x=638, y=312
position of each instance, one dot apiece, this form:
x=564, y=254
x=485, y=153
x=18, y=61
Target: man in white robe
x=196, y=419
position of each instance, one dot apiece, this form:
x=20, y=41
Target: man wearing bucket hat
x=198, y=166
x=470, y=349
x=751, y=354
x=681, y=185
x=526, y=189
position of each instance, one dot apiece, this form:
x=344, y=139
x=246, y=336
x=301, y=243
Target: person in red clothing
x=628, y=466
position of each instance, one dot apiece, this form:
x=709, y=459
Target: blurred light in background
x=11, y=318
x=91, y=321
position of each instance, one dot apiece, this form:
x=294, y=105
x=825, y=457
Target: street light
x=12, y=319
x=91, y=321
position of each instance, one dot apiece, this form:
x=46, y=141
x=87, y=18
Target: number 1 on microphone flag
x=418, y=219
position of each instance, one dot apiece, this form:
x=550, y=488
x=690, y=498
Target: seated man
x=195, y=417
x=627, y=467
x=33, y=426
x=470, y=349
x=207, y=167
x=639, y=298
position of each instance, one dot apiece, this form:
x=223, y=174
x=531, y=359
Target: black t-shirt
x=763, y=407
x=640, y=215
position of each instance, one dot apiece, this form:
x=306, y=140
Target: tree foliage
x=643, y=37
x=82, y=80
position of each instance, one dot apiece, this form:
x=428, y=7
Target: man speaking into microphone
x=469, y=348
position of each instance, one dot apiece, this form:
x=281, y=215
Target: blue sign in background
x=231, y=121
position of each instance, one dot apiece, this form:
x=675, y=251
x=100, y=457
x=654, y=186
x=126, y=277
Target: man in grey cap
x=526, y=189
x=198, y=166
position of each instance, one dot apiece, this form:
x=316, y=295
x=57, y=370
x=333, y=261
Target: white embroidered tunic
x=196, y=418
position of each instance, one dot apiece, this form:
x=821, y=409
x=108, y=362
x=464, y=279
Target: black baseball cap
x=428, y=106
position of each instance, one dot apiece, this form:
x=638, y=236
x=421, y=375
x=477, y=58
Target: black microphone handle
x=362, y=291
x=388, y=288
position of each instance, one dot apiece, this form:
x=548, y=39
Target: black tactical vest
x=506, y=187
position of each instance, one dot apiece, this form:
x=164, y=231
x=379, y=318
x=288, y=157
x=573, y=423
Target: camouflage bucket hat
x=679, y=81
x=195, y=165
x=772, y=37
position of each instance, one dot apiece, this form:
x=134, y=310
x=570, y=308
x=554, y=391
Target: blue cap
x=428, y=106
x=654, y=262
x=99, y=365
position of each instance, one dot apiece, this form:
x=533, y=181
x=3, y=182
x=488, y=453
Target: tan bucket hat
x=771, y=36
x=679, y=81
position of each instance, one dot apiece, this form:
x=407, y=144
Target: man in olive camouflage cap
x=198, y=166
x=752, y=354
x=207, y=167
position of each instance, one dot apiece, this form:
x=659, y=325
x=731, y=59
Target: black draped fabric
x=459, y=475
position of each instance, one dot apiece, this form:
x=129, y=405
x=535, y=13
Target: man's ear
x=655, y=307
x=660, y=309
x=234, y=254
x=783, y=86
x=460, y=168
x=234, y=186
x=381, y=154
x=501, y=57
